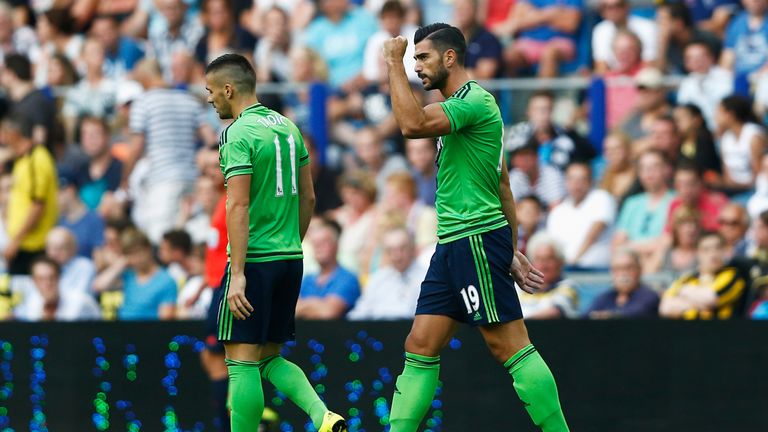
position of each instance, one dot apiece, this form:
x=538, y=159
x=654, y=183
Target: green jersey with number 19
x=469, y=165
x=269, y=147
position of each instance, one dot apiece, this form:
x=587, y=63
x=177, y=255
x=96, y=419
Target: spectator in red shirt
x=691, y=192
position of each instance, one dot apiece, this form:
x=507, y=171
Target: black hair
x=581, y=163
x=707, y=234
x=20, y=123
x=740, y=107
x=702, y=42
x=61, y=19
x=118, y=224
x=693, y=110
x=20, y=66
x=444, y=37
x=690, y=166
x=179, y=239
x=46, y=260
x=763, y=216
x=238, y=69
x=542, y=94
x=678, y=10
x=535, y=199
x=332, y=224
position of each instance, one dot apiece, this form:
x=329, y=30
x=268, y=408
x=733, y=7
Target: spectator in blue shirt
x=544, y=35
x=627, y=298
x=334, y=290
x=149, y=292
x=746, y=39
x=102, y=175
x=122, y=52
x=85, y=224
x=339, y=35
x=483, y=57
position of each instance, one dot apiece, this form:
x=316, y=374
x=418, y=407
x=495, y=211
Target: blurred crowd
x=112, y=203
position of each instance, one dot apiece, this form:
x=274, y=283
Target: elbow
x=308, y=201
x=409, y=132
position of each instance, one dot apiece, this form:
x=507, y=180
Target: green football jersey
x=266, y=145
x=469, y=165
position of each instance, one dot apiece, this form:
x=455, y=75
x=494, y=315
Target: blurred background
x=634, y=140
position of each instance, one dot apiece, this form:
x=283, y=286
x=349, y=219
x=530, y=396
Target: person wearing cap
x=529, y=176
x=86, y=226
x=32, y=208
x=651, y=103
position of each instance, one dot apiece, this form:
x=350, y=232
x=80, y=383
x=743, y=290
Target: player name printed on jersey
x=272, y=120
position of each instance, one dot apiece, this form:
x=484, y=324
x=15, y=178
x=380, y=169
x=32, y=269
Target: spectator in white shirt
x=706, y=83
x=616, y=15
x=393, y=290
x=392, y=22
x=559, y=298
x=582, y=222
x=77, y=272
x=50, y=304
x=530, y=177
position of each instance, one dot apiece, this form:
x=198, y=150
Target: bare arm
x=415, y=121
x=238, y=201
x=135, y=150
x=757, y=148
x=673, y=306
x=551, y=312
x=508, y=203
x=306, y=199
x=107, y=278
x=565, y=19
x=485, y=69
x=727, y=59
x=166, y=311
x=327, y=308
x=593, y=234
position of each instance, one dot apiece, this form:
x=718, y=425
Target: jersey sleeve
x=460, y=113
x=235, y=155
x=302, y=152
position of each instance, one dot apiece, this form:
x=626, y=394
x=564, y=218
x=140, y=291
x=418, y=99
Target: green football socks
x=536, y=388
x=245, y=395
x=291, y=381
x=414, y=391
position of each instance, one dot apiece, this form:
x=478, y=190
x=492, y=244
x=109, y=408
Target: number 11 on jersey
x=279, y=165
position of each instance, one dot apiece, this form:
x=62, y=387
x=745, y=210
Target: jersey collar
x=252, y=107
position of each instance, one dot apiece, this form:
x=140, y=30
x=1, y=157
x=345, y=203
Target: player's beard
x=438, y=81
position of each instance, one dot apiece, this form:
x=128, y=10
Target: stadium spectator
x=734, y=223
x=61, y=73
x=663, y=136
x=715, y=291
x=102, y=174
x=530, y=214
x=306, y=67
x=642, y=217
x=759, y=308
x=746, y=39
x=421, y=154
x=691, y=192
x=401, y=198
x=758, y=202
x=528, y=176
x=32, y=209
x=272, y=52
x=392, y=23
x=194, y=299
x=332, y=292
x=498, y=16
x=180, y=33
x=620, y=172
x=544, y=35
x=148, y=291
x=121, y=52
x=50, y=303
x=483, y=57
x=558, y=146
x=27, y=101
x=621, y=94
x=13, y=39
x=650, y=104
x=77, y=272
x=6, y=184
x=676, y=31
x=628, y=297
x=222, y=33
x=617, y=15
x=706, y=83
x=85, y=224
x=356, y=215
x=560, y=297
x=373, y=159
x=677, y=253
x=175, y=252
x=698, y=144
x=165, y=124
x=55, y=33
x=183, y=70
x=93, y=95
x=325, y=179
x=197, y=208
x=713, y=16
x=392, y=291
x=583, y=221
x=339, y=34
x=742, y=144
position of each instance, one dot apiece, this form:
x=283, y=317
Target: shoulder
x=739, y=23
x=640, y=24
x=603, y=28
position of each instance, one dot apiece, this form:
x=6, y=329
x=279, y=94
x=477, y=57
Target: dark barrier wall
x=612, y=376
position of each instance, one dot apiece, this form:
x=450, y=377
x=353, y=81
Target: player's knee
x=500, y=349
x=422, y=344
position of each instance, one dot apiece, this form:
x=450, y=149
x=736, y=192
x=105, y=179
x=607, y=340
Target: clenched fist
x=394, y=49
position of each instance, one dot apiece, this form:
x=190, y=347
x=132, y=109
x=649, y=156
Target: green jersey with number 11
x=266, y=145
x=469, y=165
